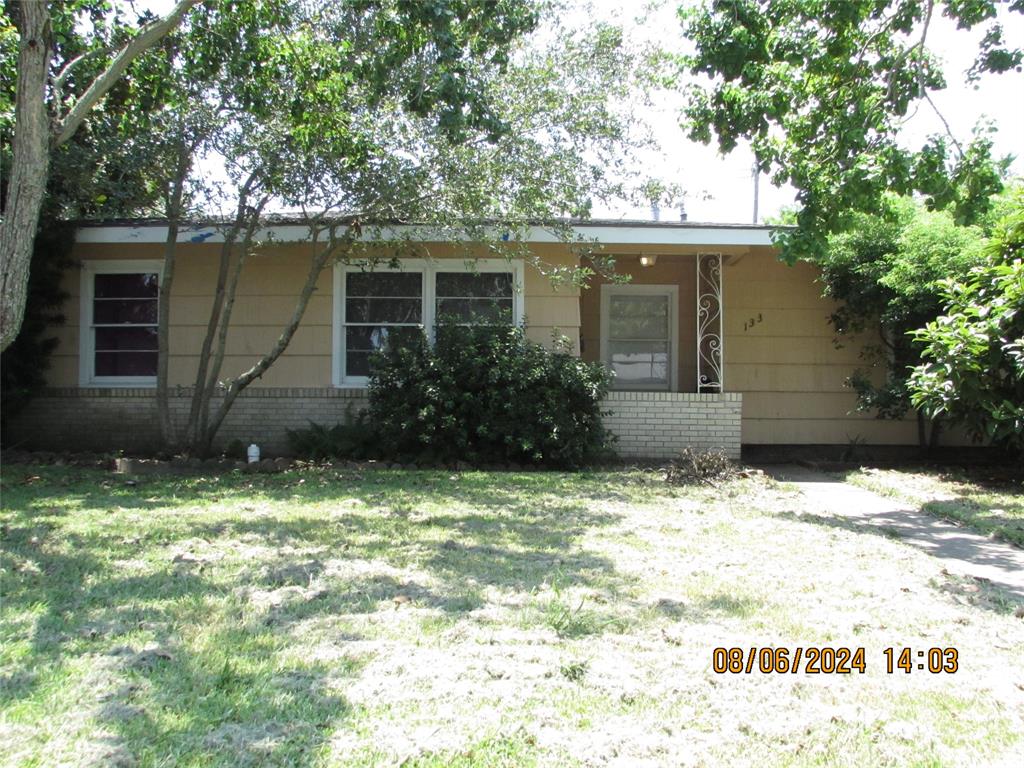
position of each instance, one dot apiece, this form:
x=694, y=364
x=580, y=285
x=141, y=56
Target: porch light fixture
x=648, y=259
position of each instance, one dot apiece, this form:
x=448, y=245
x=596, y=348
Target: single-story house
x=715, y=342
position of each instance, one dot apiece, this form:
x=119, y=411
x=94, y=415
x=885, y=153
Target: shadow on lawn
x=226, y=693
x=1003, y=519
x=982, y=593
x=209, y=708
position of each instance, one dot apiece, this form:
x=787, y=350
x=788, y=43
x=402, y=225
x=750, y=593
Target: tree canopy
x=886, y=273
x=820, y=89
x=972, y=371
x=469, y=122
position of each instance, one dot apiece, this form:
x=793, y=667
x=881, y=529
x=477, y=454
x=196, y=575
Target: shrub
x=236, y=449
x=482, y=394
x=700, y=467
x=354, y=439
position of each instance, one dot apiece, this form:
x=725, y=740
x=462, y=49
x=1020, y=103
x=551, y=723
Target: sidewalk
x=961, y=551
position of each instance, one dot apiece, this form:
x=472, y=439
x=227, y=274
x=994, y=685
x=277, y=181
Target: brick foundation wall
x=110, y=419
x=653, y=425
x=657, y=425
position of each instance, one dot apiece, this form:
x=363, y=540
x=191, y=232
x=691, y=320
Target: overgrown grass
x=989, y=502
x=472, y=619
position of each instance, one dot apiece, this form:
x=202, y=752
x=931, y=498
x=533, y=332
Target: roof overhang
x=604, y=232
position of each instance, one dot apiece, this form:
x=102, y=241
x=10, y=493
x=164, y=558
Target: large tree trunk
x=33, y=136
x=30, y=164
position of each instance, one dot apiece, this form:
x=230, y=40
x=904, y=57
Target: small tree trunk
x=30, y=164
x=174, y=212
x=937, y=429
x=922, y=433
x=238, y=384
x=200, y=394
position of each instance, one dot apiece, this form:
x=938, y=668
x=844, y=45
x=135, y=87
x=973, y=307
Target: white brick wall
x=657, y=425
x=654, y=425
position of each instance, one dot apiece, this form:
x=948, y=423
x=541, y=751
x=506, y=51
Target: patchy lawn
x=990, y=501
x=428, y=619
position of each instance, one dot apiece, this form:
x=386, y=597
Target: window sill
x=124, y=383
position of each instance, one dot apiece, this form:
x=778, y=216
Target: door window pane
x=640, y=364
x=639, y=344
x=639, y=317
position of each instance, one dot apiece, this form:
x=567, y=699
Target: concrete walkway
x=961, y=551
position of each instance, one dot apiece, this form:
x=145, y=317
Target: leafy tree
x=109, y=167
x=973, y=369
x=886, y=274
x=49, y=107
x=448, y=116
x=820, y=87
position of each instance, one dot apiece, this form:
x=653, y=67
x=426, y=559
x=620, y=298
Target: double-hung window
x=373, y=304
x=639, y=335
x=118, y=323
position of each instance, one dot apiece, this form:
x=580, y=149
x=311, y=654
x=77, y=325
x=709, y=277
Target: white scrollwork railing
x=710, y=330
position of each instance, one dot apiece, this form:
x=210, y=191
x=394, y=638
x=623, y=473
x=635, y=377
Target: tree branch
x=230, y=238
x=240, y=382
x=139, y=44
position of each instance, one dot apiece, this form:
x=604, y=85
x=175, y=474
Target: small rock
x=1019, y=613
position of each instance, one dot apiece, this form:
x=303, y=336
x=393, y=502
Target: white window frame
x=87, y=333
x=672, y=291
x=429, y=269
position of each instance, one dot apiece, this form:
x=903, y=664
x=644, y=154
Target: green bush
x=354, y=439
x=485, y=395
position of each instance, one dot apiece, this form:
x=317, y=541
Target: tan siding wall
x=267, y=291
x=785, y=363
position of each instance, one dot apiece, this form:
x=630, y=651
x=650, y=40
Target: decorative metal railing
x=710, y=329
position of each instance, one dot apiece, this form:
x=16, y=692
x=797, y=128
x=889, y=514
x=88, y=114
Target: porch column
x=710, y=328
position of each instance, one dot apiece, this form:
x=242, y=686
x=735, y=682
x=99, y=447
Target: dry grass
x=986, y=500
x=423, y=618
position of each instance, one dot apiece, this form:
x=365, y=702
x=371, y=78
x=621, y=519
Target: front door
x=639, y=327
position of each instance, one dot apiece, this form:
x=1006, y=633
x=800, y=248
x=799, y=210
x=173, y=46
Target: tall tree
x=885, y=274
x=820, y=87
x=48, y=113
x=973, y=359
x=450, y=117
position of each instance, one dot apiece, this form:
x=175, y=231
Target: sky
x=721, y=189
